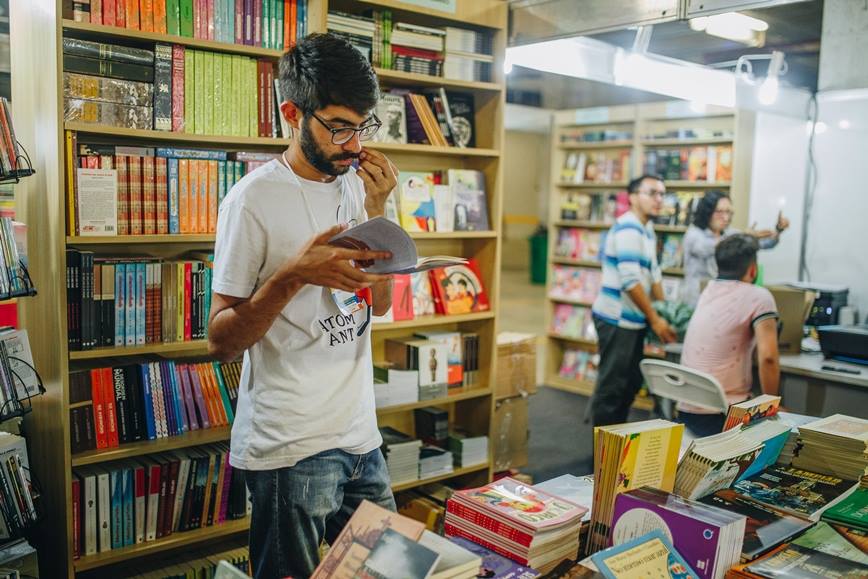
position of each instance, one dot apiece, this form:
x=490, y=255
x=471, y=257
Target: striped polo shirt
x=629, y=258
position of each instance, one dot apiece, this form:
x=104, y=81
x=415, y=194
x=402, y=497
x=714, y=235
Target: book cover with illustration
x=469, y=199
x=458, y=289
x=494, y=565
x=423, y=301
x=390, y=111
x=765, y=528
x=797, y=562
x=753, y=410
x=651, y=555
x=520, y=505
x=826, y=539
x=416, y=203
x=793, y=490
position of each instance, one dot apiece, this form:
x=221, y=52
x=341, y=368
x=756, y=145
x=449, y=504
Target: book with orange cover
x=149, y=197
x=146, y=14
x=211, y=225
x=458, y=289
x=202, y=206
x=184, y=195
x=162, y=186
x=160, y=23
x=132, y=15
x=193, y=197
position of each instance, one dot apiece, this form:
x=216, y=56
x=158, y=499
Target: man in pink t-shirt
x=731, y=316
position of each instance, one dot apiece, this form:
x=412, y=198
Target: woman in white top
x=711, y=224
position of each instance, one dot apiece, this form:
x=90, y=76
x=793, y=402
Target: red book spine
x=108, y=13
x=164, y=487
x=121, y=13
x=149, y=303
x=178, y=88
x=162, y=183
x=76, y=518
x=490, y=523
x=269, y=92
x=260, y=76
x=139, y=499
x=111, y=416
x=451, y=530
x=99, y=421
x=224, y=496
x=123, y=195
x=135, y=188
x=149, y=197
x=239, y=21
x=287, y=19
x=436, y=292
x=188, y=306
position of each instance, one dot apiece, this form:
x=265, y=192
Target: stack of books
x=434, y=461
x=468, y=55
x=402, y=455
x=752, y=410
x=468, y=450
x=629, y=456
x=517, y=521
x=417, y=48
x=14, y=280
x=432, y=425
x=852, y=510
x=835, y=445
x=709, y=538
x=794, y=421
x=357, y=30
x=393, y=386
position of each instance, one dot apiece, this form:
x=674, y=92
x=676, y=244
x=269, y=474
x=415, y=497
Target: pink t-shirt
x=720, y=338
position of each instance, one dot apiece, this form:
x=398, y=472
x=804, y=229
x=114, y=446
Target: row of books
x=575, y=284
x=127, y=302
x=596, y=207
x=120, y=190
x=578, y=243
x=433, y=117
x=172, y=88
x=451, y=52
x=689, y=133
x=424, y=366
x=201, y=562
x=9, y=149
x=18, y=511
x=603, y=167
x=14, y=280
x=117, y=405
x=572, y=321
x=275, y=24
x=679, y=208
x=712, y=163
x=141, y=500
x=577, y=136
x=579, y=365
x=424, y=202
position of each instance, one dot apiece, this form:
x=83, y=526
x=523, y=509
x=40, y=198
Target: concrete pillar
x=844, y=45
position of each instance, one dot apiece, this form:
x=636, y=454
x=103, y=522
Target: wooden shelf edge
x=173, y=541
x=561, y=300
x=596, y=145
x=437, y=320
x=491, y=234
x=580, y=341
x=140, y=239
x=678, y=184
x=604, y=186
x=416, y=148
x=455, y=473
x=411, y=78
x=140, y=35
x=469, y=394
x=193, y=347
x=194, y=438
x=686, y=142
x=583, y=224
x=152, y=135
x=576, y=262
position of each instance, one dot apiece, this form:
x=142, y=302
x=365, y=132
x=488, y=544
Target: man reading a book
x=622, y=311
x=731, y=316
x=305, y=433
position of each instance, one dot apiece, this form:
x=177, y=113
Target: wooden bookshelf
x=570, y=301
x=583, y=224
x=572, y=339
x=191, y=348
x=600, y=186
x=132, y=449
x=576, y=262
x=40, y=124
x=590, y=145
x=454, y=474
x=686, y=142
x=174, y=541
x=671, y=185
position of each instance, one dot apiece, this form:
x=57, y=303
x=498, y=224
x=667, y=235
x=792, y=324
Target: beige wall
x=525, y=192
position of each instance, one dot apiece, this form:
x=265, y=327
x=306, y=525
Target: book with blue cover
x=650, y=556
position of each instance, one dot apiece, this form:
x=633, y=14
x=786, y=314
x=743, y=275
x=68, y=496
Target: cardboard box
x=794, y=305
x=516, y=364
x=510, y=433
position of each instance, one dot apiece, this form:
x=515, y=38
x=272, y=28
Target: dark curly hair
x=325, y=69
x=734, y=255
x=705, y=208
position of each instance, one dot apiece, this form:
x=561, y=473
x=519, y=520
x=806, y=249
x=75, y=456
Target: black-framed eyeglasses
x=345, y=134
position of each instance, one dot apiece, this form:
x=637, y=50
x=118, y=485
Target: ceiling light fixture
x=768, y=88
x=732, y=26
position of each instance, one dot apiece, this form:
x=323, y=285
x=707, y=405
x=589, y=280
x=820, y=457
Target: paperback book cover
x=470, y=202
x=494, y=565
x=823, y=537
x=390, y=111
x=793, y=490
x=416, y=202
x=798, y=562
x=651, y=555
x=458, y=289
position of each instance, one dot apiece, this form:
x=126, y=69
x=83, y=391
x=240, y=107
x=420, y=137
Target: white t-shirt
x=307, y=385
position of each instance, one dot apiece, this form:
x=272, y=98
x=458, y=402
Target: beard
x=317, y=157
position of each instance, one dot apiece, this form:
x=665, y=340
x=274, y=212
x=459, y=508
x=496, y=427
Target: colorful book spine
x=149, y=200
x=140, y=303
x=162, y=184
x=120, y=301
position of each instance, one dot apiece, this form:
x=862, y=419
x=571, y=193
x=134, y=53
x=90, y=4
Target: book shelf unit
x=39, y=106
x=637, y=129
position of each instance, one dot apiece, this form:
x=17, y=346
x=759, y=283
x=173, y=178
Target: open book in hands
x=380, y=234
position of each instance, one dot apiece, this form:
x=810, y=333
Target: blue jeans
x=702, y=425
x=295, y=508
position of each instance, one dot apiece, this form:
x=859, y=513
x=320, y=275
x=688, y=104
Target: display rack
x=642, y=130
x=41, y=107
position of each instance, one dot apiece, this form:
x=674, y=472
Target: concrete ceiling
x=793, y=28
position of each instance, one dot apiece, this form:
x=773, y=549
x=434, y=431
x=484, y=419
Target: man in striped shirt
x=622, y=311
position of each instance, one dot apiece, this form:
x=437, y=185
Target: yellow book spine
x=179, y=289
x=70, y=182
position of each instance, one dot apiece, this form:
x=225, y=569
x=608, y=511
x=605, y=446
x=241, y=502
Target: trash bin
x=539, y=243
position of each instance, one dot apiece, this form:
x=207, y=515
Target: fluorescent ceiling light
x=732, y=26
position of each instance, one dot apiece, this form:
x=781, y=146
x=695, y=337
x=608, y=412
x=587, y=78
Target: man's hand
x=663, y=330
x=380, y=177
x=783, y=223
x=321, y=264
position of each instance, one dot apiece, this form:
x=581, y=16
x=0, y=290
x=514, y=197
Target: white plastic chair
x=682, y=384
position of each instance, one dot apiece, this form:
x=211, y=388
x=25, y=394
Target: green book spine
x=281, y=16
x=186, y=17
x=253, y=98
x=189, y=92
x=224, y=393
x=218, y=95
x=226, y=121
x=266, y=23
x=210, y=105
x=199, y=91
x=221, y=182
x=173, y=17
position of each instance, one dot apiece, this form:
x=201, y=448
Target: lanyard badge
x=351, y=302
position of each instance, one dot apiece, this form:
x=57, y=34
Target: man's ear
x=291, y=113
